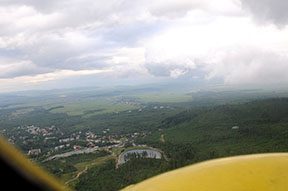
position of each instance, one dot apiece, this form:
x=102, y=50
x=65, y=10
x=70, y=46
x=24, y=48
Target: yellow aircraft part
x=29, y=169
x=260, y=172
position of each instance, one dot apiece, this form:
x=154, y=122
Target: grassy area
x=118, y=151
x=137, y=147
x=89, y=108
x=165, y=97
x=67, y=170
x=22, y=111
x=72, y=178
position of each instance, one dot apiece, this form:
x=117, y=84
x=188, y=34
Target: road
x=77, y=176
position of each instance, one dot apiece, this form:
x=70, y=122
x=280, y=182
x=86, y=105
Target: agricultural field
x=88, y=108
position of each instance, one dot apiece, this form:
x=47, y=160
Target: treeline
x=262, y=126
x=106, y=177
x=254, y=112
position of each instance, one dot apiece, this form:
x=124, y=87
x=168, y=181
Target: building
x=76, y=147
x=34, y=152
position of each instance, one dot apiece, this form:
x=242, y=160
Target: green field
x=165, y=97
x=91, y=107
x=66, y=169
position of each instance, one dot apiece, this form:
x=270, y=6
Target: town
x=50, y=142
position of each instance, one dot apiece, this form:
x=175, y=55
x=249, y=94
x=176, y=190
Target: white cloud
x=143, y=37
x=250, y=65
x=177, y=73
x=127, y=62
x=14, y=19
x=211, y=47
x=26, y=82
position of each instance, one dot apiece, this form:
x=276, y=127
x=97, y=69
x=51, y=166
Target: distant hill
x=263, y=127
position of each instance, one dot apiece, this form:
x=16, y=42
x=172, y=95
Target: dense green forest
x=199, y=134
x=262, y=127
x=107, y=177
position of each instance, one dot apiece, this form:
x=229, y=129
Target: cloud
x=48, y=80
x=26, y=19
x=268, y=11
x=10, y=68
x=190, y=47
x=163, y=38
x=176, y=73
x=60, y=34
x=232, y=49
x=250, y=65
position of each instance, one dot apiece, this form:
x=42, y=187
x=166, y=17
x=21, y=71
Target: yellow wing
x=19, y=173
x=260, y=172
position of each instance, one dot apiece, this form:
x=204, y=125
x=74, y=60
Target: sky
x=77, y=43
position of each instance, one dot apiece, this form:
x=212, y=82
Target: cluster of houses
x=130, y=103
x=47, y=131
x=161, y=107
x=75, y=141
x=92, y=140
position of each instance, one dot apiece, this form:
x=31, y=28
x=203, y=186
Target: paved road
x=75, y=152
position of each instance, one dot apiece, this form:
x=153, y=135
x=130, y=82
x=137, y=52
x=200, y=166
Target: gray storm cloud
x=271, y=11
x=14, y=67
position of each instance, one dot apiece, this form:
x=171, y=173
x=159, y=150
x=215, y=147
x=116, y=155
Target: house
x=59, y=147
x=90, y=144
x=34, y=152
x=76, y=147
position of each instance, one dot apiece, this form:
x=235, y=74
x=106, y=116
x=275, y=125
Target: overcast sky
x=54, y=44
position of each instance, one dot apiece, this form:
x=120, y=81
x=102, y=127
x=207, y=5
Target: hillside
x=199, y=134
x=263, y=127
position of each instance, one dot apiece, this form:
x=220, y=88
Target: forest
x=200, y=134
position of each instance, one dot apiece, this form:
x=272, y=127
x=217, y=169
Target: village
x=51, y=142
